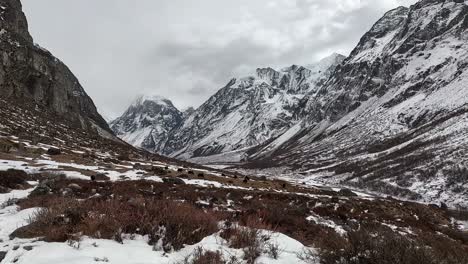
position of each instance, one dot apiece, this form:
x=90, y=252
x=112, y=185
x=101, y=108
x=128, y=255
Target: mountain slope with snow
x=148, y=122
x=248, y=111
x=394, y=115
x=245, y=113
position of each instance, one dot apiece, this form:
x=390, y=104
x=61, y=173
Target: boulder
x=347, y=193
x=13, y=179
x=54, y=151
x=5, y=146
x=100, y=177
x=175, y=181
x=41, y=189
x=74, y=187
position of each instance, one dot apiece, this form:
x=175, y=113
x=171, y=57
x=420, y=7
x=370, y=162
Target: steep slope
x=32, y=77
x=394, y=116
x=148, y=122
x=248, y=112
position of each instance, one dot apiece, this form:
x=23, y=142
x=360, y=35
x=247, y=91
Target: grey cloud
x=186, y=50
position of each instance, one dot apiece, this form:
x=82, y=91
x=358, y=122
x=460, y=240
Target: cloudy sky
x=186, y=50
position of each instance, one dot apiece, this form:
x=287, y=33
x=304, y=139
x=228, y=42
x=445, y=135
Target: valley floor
x=83, y=206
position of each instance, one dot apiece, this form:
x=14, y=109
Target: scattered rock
x=16, y=247
x=74, y=187
x=100, y=177
x=201, y=175
x=5, y=146
x=111, y=160
x=158, y=170
x=175, y=181
x=2, y=255
x=263, y=178
x=24, y=232
x=347, y=193
x=54, y=151
x=246, y=179
x=13, y=179
x=89, y=155
x=41, y=189
x=124, y=157
x=183, y=176
x=28, y=248
x=180, y=170
x=443, y=206
x=191, y=172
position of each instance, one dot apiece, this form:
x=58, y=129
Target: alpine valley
x=350, y=160
x=392, y=117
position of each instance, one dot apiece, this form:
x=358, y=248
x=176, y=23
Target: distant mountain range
x=391, y=117
x=245, y=113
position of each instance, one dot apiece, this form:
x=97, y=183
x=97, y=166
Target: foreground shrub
x=169, y=225
x=383, y=246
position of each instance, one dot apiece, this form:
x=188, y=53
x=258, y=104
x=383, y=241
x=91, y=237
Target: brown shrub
x=207, y=257
x=380, y=245
x=181, y=223
x=248, y=239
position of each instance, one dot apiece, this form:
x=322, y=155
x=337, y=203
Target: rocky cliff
x=32, y=77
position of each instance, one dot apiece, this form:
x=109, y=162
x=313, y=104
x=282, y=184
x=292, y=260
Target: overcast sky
x=186, y=50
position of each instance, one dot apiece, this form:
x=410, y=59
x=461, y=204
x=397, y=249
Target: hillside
x=393, y=116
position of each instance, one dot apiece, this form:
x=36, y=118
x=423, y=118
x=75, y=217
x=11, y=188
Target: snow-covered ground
x=134, y=249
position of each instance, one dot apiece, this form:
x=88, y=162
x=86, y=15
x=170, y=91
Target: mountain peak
x=157, y=99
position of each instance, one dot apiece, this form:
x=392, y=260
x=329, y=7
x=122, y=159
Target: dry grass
x=174, y=224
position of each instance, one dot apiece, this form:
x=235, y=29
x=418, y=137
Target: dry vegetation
x=175, y=215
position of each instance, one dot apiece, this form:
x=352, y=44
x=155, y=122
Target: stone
x=41, y=189
x=28, y=248
x=54, y=151
x=100, y=177
x=175, y=181
x=347, y=193
x=74, y=187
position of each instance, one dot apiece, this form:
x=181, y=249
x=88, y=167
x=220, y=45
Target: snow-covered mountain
x=394, y=115
x=245, y=113
x=148, y=122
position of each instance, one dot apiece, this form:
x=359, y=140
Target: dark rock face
x=30, y=75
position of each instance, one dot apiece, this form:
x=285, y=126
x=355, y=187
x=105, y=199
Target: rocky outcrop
x=31, y=76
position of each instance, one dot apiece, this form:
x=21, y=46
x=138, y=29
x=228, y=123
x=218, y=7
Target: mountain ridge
x=214, y=128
